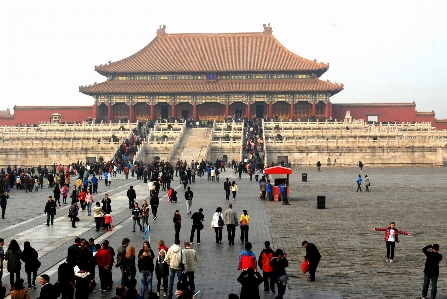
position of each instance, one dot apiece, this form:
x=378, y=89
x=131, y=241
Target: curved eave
x=204, y=87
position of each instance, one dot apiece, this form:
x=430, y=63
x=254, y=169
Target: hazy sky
x=382, y=51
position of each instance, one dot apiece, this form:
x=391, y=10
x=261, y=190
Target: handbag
x=220, y=222
x=38, y=264
x=284, y=279
x=181, y=265
x=305, y=266
x=201, y=226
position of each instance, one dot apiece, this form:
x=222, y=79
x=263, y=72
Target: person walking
x=97, y=215
x=154, y=202
x=74, y=211
x=66, y=280
x=146, y=268
x=190, y=266
x=161, y=272
x=175, y=258
x=57, y=195
x=367, y=183
x=188, y=197
x=136, y=213
x=64, y=193
x=359, y=183
x=12, y=255
x=244, y=221
x=106, y=204
x=313, y=256
x=145, y=213
x=227, y=188
x=234, y=189
x=104, y=260
x=88, y=202
x=120, y=253
x=279, y=264
x=177, y=219
x=32, y=264
x=217, y=223
x=132, y=196
x=319, y=166
x=250, y=281
x=129, y=265
x=50, y=210
x=431, y=270
x=391, y=238
x=3, y=202
x=231, y=222
x=247, y=258
x=197, y=224
x=267, y=271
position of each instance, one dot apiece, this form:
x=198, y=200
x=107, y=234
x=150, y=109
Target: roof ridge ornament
x=267, y=29
x=161, y=30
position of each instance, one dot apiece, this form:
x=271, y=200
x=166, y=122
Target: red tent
x=278, y=170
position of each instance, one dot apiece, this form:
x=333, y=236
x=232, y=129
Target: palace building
x=211, y=77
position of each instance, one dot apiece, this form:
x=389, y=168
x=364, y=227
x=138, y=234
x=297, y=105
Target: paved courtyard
x=353, y=263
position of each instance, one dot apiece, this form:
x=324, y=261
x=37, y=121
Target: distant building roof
x=6, y=114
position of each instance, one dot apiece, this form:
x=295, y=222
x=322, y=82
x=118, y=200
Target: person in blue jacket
x=282, y=191
x=268, y=189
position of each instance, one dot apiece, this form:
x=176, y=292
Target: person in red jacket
x=267, y=271
x=391, y=238
x=247, y=258
x=104, y=260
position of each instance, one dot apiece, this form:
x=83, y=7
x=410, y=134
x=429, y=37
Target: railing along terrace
x=401, y=141
x=176, y=143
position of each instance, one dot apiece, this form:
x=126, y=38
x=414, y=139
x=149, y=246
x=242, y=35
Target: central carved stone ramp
x=193, y=145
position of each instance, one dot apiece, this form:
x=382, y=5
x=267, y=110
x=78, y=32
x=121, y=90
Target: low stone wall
x=350, y=156
x=47, y=156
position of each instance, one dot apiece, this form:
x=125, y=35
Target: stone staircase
x=193, y=145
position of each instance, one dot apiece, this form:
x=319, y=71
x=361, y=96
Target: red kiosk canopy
x=278, y=170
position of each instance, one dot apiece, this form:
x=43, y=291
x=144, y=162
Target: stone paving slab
x=353, y=263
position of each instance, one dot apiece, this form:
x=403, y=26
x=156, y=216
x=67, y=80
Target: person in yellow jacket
x=244, y=221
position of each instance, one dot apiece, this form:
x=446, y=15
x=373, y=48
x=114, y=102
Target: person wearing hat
x=227, y=188
x=431, y=269
x=197, y=219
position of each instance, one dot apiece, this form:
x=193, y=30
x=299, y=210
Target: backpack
x=220, y=222
x=244, y=222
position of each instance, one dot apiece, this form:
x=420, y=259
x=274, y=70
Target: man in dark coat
x=250, y=281
x=431, y=269
x=131, y=195
x=313, y=257
x=48, y=291
x=50, y=210
x=3, y=202
x=227, y=188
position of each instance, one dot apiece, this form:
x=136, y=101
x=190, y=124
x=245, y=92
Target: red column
x=291, y=111
x=131, y=111
x=194, y=110
x=312, y=109
x=227, y=109
x=173, y=109
x=109, y=110
x=330, y=110
x=152, y=112
x=270, y=112
x=249, y=110
x=95, y=110
x=326, y=110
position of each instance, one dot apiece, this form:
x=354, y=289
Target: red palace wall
x=28, y=115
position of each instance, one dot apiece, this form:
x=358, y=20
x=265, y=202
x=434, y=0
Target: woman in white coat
x=218, y=224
